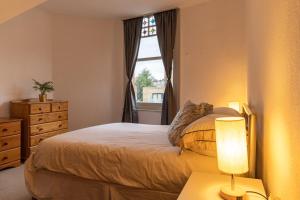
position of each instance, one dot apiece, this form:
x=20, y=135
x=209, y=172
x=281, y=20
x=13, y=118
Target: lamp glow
x=235, y=105
x=232, y=152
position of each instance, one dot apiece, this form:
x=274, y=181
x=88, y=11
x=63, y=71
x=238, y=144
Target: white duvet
x=134, y=155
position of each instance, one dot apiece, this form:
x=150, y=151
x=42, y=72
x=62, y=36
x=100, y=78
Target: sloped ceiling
x=13, y=8
x=114, y=8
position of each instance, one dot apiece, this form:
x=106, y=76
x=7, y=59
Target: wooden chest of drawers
x=40, y=121
x=10, y=139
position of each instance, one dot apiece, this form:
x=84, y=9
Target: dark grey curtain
x=132, y=37
x=166, y=31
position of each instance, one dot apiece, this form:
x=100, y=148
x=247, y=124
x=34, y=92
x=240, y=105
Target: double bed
x=115, y=162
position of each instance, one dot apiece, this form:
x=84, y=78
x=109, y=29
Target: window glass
x=149, y=47
x=149, y=81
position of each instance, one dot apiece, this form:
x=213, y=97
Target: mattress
x=131, y=155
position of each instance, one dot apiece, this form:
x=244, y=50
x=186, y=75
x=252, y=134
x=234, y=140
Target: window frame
x=145, y=106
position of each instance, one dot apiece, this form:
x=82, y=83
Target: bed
x=115, y=162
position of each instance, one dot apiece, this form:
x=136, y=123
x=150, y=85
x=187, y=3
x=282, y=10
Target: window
x=157, y=97
x=149, y=78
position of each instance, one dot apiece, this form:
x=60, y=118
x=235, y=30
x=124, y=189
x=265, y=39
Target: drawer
x=10, y=164
x=10, y=142
x=48, y=127
x=40, y=108
x=58, y=116
x=10, y=128
x=55, y=107
x=9, y=156
x=35, y=140
x=38, y=119
x=47, y=117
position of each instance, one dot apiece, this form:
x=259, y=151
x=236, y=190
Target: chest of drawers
x=41, y=120
x=10, y=130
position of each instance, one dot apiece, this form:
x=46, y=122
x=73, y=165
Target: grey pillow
x=189, y=113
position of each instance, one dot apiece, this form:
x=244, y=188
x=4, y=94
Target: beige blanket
x=134, y=155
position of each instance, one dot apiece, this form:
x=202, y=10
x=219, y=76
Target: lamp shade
x=231, y=145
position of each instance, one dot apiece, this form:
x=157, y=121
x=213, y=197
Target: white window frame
x=143, y=106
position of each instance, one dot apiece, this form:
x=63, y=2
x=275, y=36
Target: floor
x=12, y=185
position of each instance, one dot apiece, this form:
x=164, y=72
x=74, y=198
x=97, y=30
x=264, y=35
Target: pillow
x=200, y=136
x=226, y=111
x=189, y=113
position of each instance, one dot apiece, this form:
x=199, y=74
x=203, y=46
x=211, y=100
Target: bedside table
x=205, y=186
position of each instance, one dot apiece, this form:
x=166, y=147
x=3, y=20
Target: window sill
x=153, y=107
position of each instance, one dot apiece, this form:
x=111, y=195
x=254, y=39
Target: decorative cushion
x=189, y=113
x=200, y=136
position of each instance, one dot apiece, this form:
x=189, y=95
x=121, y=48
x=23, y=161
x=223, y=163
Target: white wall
x=25, y=53
x=273, y=90
x=88, y=68
x=12, y=8
x=149, y=117
x=88, y=61
x=83, y=56
x=213, y=52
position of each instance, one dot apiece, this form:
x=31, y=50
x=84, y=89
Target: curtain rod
x=151, y=13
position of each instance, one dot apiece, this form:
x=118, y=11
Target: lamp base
x=236, y=194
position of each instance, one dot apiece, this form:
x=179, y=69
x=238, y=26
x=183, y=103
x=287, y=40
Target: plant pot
x=43, y=97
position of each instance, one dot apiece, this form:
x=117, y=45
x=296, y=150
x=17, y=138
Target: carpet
x=12, y=184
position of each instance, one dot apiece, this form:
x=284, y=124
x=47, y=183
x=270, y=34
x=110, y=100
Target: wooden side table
x=205, y=186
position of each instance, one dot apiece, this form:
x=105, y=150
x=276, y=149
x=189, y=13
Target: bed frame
x=251, y=139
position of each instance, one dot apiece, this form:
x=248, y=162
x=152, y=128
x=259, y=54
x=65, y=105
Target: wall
x=149, y=117
x=83, y=56
x=273, y=90
x=210, y=55
x=213, y=52
x=25, y=53
x=12, y=8
x=88, y=68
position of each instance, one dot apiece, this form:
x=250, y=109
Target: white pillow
x=200, y=136
x=226, y=111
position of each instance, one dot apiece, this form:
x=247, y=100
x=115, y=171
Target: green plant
x=43, y=87
x=144, y=79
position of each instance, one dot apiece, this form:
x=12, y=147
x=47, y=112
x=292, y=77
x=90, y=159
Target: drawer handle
x=60, y=125
x=41, y=139
x=40, y=109
x=4, y=144
x=4, y=158
x=58, y=107
x=4, y=130
x=40, y=119
x=59, y=116
x=40, y=129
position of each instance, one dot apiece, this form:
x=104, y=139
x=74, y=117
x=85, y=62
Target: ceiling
x=121, y=9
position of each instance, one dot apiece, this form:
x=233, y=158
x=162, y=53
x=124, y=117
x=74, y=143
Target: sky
x=149, y=48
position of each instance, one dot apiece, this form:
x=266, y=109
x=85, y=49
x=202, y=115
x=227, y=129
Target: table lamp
x=232, y=153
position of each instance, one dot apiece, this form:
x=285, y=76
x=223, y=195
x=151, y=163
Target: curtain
x=132, y=37
x=166, y=31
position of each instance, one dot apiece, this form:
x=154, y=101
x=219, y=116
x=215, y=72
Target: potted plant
x=44, y=88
